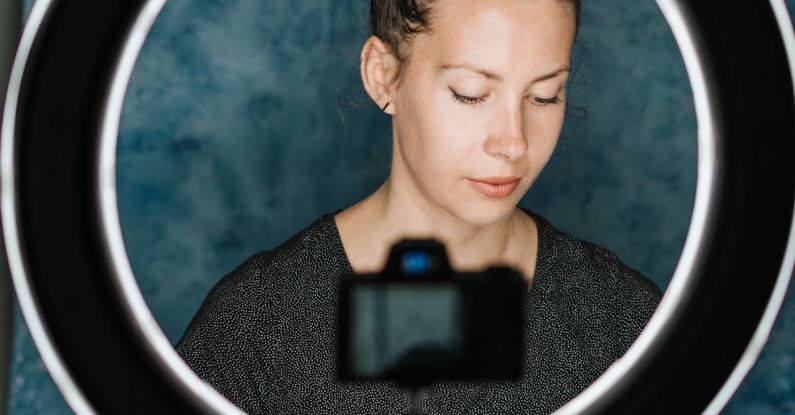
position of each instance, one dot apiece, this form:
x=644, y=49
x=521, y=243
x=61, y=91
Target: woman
x=476, y=91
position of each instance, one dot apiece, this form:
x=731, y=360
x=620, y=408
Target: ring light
x=106, y=353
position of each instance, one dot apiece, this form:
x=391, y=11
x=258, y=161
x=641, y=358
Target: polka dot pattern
x=265, y=335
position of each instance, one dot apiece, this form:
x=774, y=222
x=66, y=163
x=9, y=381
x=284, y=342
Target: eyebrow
x=492, y=75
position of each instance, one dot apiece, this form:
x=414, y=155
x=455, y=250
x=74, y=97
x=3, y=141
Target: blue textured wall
x=232, y=140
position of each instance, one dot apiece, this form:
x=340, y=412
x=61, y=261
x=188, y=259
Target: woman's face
x=483, y=97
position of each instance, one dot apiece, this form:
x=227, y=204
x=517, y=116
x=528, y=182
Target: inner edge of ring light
x=159, y=345
x=699, y=224
x=17, y=260
x=141, y=317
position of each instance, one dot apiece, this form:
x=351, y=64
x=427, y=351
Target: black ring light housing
x=106, y=354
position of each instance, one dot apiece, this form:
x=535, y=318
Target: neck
x=397, y=210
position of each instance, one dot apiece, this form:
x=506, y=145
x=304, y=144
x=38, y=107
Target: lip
x=495, y=187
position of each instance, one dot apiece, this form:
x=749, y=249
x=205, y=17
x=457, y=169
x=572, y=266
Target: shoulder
x=312, y=249
x=584, y=265
x=592, y=284
x=264, y=287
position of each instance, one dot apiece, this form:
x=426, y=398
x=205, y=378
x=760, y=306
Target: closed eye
x=546, y=101
x=465, y=99
x=476, y=100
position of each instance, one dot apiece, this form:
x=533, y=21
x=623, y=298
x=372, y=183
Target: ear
x=378, y=66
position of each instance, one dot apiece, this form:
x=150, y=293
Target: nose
x=508, y=140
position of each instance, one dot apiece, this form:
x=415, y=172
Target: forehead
x=499, y=32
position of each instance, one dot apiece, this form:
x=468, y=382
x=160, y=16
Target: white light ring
x=699, y=228
x=157, y=341
x=154, y=340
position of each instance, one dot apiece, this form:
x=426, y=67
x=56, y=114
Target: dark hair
x=395, y=22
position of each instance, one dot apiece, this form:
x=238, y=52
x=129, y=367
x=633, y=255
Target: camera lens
x=416, y=262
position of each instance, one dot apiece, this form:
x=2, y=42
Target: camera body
x=419, y=321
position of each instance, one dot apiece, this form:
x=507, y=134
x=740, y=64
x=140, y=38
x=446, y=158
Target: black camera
x=419, y=321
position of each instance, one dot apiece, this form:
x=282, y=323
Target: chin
x=486, y=212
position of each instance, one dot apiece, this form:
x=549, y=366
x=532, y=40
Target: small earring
x=387, y=104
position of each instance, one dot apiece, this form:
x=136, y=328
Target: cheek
x=549, y=125
x=441, y=154
x=545, y=137
x=439, y=140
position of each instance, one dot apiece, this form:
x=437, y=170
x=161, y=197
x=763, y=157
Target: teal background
x=245, y=120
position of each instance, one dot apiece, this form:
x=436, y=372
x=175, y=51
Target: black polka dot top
x=265, y=335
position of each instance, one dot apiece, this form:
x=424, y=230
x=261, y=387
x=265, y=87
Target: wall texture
x=245, y=121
